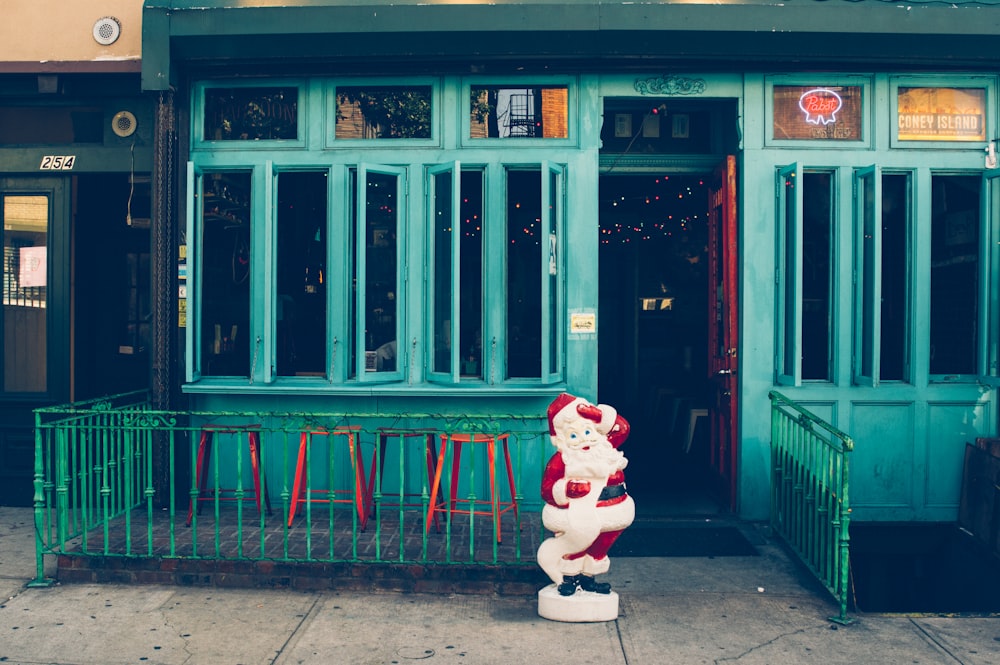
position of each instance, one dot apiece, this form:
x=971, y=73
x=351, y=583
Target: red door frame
x=723, y=327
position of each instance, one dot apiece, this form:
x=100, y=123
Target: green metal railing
x=366, y=484
x=809, y=498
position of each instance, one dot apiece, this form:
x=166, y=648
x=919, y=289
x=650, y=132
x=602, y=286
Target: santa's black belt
x=611, y=492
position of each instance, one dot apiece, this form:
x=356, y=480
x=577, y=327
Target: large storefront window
x=341, y=259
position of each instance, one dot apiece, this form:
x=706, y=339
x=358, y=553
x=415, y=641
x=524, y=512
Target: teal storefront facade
x=446, y=208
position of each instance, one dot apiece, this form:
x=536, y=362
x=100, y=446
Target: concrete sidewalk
x=747, y=610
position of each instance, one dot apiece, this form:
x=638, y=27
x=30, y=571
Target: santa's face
x=580, y=434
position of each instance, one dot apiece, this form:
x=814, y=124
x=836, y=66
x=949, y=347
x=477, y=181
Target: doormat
x=673, y=541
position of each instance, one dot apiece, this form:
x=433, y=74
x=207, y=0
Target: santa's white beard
x=598, y=461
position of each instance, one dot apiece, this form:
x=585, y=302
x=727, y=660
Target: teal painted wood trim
x=738, y=32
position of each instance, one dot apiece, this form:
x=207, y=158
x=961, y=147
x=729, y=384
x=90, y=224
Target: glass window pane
x=895, y=268
x=251, y=114
x=301, y=274
x=387, y=112
x=381, y=306
x=817, y=227
x=511, y=111
x=471, y=274
x=25, y=299
x=955, y=239
x=443, y=234
x=524, y=274
x=225, y=275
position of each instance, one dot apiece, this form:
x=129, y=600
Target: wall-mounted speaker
x=123, y=124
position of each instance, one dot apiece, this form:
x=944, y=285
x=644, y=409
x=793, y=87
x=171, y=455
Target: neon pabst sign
x=820, y=106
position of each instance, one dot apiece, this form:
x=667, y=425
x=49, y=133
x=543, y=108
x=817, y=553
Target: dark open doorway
x=654, y=336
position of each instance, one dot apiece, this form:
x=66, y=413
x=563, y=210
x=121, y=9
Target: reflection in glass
x=225, y=275
x=466, y=281
x=524, y=273
x=25, y=299
x=392, y=112
x=470, y=243
x=301, y=274
x=251, y=114
x=519, y=112
x=378, y=276
x=955, y=248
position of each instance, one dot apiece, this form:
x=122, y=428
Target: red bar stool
x=383, y=435
x=205, y=441
x=302, y=489
x=497, y=507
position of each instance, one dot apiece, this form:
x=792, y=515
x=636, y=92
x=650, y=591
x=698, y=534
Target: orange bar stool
x=203, y=463
x=302, y=489
x=497, y=506
x=395, y=499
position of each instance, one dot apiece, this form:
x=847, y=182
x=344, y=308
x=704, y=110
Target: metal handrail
x=810, y=509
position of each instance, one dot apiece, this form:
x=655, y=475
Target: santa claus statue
x=583, y=487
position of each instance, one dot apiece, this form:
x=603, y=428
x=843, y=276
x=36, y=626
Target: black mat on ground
x=671, y=541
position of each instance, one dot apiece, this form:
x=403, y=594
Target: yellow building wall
x=56, y=35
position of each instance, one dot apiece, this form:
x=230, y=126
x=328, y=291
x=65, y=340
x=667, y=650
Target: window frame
x=455, y=169
x=359, y=266
x=989, y=351
x=788, y=288
x=865, y=291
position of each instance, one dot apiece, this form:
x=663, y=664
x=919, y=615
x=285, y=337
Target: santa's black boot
x=568, y=586
x=587, y=583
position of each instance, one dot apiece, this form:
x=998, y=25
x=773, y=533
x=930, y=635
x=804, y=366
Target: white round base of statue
x=581, y=607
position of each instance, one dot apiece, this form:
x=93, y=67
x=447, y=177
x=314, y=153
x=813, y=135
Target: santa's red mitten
x=577, y=488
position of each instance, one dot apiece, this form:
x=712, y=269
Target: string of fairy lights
x=669, y=208
x=665, y=207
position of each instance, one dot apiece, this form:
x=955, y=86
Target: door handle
x=723, y=372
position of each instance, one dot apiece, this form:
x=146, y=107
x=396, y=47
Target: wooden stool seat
x=302, y=489
x=203, y=462
x=496, y=506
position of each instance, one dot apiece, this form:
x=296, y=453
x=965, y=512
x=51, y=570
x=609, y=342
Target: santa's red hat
x=557, y=405
x=567, y=406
